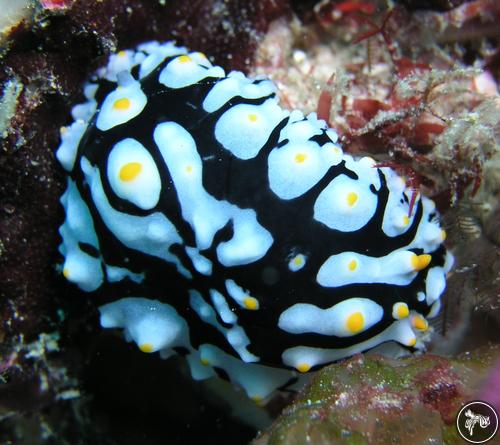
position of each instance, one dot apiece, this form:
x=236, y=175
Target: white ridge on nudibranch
x=279, y=252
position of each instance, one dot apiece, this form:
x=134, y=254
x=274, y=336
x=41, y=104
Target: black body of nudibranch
x=248, y=241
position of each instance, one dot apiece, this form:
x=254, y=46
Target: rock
x=370, y=399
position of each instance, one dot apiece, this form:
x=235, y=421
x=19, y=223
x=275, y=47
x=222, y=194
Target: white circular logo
x=477, y=422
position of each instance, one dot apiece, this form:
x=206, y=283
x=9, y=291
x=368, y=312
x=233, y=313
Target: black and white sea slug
x=236, y=232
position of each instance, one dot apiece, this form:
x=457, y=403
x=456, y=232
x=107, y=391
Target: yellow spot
x=303, y=367
x=146, y=347
x=412, y=342
x=402, y=311
x=257, y=399
x=204, y=362
x=352, y=198
x=66, y=272
x=443, y=234
x=121, y=104
x=130, y=171
x=184, y=59
x=251, y=303
x=355, y=322
x=300, y=158
x=298, y=260
x=406, y=220
x=63, y=130
x=419, y=323
x=420, y=262
x=122, y=53
x=189, y=168
x=252, y=117
x=352, y=265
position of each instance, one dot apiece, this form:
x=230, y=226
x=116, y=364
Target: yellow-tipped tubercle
x=420, y=262
x=419, y=323
x=146, y=347
x=402, y=311
x=251, y=303
x=303, y=367
x=355, y=322
x=412, y=342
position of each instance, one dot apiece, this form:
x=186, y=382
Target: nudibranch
x=235, y=232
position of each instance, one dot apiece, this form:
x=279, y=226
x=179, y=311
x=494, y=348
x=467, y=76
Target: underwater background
x=414, y=84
